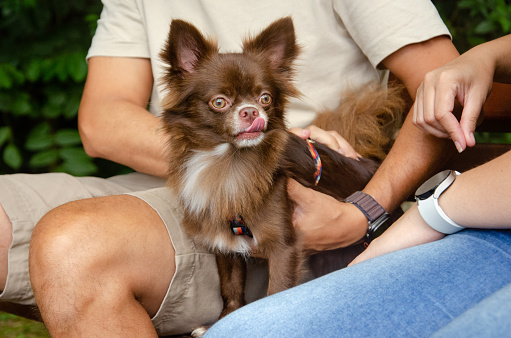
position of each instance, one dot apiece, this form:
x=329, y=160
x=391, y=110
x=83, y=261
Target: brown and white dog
x=231, y=156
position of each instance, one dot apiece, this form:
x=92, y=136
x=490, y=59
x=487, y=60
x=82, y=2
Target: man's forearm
x=127, y=134
x=113, y=121
x=414, y=157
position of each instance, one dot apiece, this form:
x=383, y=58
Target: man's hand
x=325, y=222
x=330, y=138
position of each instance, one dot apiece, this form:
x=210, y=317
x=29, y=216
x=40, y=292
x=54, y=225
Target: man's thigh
x=26, y=198
x=118, y=241
x=123, y=249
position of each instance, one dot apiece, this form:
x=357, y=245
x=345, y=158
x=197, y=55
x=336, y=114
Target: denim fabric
x=489, y=318
x=412, y=292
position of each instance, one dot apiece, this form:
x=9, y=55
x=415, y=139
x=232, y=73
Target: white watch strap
x=436, y=217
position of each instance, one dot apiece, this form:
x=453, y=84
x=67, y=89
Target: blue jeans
x=459, y=285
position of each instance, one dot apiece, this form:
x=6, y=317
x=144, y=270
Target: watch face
x=428, y=188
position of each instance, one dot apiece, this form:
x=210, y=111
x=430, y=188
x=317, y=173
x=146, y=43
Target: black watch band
x=373, y=211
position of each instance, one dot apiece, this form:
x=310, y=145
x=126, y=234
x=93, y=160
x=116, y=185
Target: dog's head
x=228, y=98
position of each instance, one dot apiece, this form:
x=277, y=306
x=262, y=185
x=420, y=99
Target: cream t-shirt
x=343, y=41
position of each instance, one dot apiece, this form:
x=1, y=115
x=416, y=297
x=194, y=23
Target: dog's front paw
x=200, y=331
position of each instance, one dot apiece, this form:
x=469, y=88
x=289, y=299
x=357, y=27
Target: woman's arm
x=468, y=79
x=478, y=198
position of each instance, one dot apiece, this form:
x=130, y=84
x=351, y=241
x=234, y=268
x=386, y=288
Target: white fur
x=241, y=245
x=198, y=196
x=199, y=332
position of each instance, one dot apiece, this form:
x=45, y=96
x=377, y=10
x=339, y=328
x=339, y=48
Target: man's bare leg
x=101, y=267
x=5, y=243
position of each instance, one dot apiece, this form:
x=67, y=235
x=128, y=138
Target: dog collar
x=238, y=226
x=317, y=162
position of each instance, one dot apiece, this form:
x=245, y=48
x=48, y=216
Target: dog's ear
x=185, y=47
x=277, y=43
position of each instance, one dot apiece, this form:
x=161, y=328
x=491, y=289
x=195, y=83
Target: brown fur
x=217, y=176
x=370, y=117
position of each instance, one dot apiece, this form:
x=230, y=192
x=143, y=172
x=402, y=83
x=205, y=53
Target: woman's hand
x=468, y=79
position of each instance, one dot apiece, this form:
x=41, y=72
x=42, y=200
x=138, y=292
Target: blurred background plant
x=42, y=71
x=473, y=22
x=43, y=44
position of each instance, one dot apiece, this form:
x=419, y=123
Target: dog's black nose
x=249, y=114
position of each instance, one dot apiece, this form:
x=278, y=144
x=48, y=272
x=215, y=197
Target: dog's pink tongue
x=257, y=125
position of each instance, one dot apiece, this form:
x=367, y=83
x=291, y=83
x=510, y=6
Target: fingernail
x=472, y=137
x=458, y=146
x=340, y=151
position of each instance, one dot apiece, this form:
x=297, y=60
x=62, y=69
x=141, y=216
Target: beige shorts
x=193, y=297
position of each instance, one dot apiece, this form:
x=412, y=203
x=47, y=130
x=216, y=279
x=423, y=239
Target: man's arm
x=113, y=120
x=415, y=155
x=329, y=224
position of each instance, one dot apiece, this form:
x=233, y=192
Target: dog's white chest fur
x=199, y=185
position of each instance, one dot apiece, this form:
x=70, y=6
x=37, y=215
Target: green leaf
x=5, y=133
x=77, y=67
x=33, y=71
x=12, y=156
x=5, y=80
x=73, y=154
x=9, y=75
x=51, y=111
x=61, y=68
x=78, y=168
x=484, y=27
x=44, y=158
x=465, y=3
x=76, y=162
x=39, y=138
x=70, y=109
x=21, y=104
x=67, y=137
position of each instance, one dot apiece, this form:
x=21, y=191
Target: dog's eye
x=218, y=103
x=265, y=99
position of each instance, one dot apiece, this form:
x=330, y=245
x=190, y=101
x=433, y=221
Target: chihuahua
x=230, y=155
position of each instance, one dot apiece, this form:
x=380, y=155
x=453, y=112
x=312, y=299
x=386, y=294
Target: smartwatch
x=427, y=200
x=373, y=211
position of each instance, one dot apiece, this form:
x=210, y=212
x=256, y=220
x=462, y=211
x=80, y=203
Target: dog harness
x=238, y=226
x=237, y=223
x=317, y=162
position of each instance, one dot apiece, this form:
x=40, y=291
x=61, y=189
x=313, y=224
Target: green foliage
x=43, y=69
x=42, y=73
x=15, y=327
x=473, y=22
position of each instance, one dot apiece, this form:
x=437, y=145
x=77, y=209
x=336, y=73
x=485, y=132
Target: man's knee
x=101, y=249
x=61, y=246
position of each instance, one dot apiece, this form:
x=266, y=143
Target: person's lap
x=489, y=318
x=134, y=237
x=411, y=292
x=26, y=198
